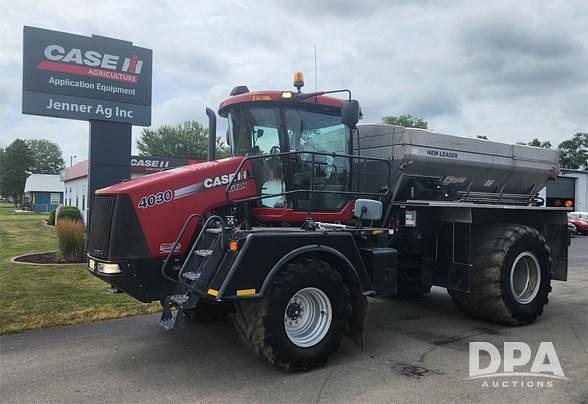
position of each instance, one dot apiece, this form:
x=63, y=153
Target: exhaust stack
x=211, y=134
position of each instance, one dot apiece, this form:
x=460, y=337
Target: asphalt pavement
x=415, y=352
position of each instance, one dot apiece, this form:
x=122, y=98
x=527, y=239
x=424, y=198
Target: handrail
x=202, y=231
x=174, y=246
x=310, y=191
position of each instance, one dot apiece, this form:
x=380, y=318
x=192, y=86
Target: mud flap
x=358, y=322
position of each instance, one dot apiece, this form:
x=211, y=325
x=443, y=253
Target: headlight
x=108, y=269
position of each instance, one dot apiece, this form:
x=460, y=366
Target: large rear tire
x=299, y=323
x=510, y=279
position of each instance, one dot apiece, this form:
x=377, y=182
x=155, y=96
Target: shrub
x=51, y=219
x=70, y=212
x=72, y=240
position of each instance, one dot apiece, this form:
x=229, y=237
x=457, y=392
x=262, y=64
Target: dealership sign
x=85, y=78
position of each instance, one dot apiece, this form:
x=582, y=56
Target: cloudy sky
x=512, y=70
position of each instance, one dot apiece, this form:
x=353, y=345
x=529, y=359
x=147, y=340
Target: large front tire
x=299, y=323
x=511, y=279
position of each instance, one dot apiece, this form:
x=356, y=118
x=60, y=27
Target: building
x=75, y=184
x=75, y=178
x=569, y=189
x=43, y=192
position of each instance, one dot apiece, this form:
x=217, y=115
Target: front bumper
x=140, y=278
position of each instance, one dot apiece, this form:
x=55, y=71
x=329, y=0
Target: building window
x=83, y=202
x=55, y=198
x=77, y=200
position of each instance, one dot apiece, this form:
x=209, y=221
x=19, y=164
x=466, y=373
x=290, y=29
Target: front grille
x=100, y=225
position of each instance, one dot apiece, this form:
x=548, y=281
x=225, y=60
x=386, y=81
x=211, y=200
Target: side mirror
x=367, y=209
x=350, y=113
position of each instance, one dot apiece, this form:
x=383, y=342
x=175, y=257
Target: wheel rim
x=307, y=317
x=525, y=277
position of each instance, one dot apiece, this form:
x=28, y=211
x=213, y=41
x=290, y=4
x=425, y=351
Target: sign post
x=107, y=165
x=101, y=80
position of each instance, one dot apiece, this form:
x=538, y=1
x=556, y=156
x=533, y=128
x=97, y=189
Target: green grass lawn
x=45, y=296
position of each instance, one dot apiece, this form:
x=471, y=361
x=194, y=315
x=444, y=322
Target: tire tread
x=485, y=299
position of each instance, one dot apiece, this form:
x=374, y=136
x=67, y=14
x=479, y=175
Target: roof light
x=298, y=80
x=261, y=98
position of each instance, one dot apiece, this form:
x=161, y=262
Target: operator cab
x=301, y=142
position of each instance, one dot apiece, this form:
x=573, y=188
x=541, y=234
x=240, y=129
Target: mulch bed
x=46, y=258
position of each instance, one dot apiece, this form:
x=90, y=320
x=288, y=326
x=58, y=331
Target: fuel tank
x=435, y=166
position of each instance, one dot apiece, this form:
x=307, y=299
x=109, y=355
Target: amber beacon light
x=298, y=80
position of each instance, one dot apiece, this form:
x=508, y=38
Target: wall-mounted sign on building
x=75, y=178
x=86, y=78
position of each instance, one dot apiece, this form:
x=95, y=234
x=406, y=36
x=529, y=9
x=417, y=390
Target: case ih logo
x=91, y=63
x=224, y=180
x=149, y=164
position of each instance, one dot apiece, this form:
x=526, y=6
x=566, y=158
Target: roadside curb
x=46, y=224
x=13, y=260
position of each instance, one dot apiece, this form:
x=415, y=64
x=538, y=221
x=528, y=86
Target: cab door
x=318, y=164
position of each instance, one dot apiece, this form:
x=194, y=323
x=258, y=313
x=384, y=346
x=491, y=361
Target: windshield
x=270, y=130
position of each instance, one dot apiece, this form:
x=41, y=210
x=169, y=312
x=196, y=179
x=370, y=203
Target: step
x=214, y=230
x=178, y=299
x=192, y=276
x=203, y=253
x=168, y=323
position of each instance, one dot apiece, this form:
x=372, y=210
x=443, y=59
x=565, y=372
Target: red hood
x=188, y=173
x=163, y=201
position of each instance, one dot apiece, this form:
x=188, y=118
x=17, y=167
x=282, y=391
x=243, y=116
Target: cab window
x=254, y=131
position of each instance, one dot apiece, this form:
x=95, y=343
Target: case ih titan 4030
x=312, y=214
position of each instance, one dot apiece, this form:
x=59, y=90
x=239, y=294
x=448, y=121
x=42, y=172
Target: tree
x=573, y=153
x=188, y=140
x=537, y=143
x=222, y=150
x=47, y=157
x=16, y=162
x=1, y=168
x=407, y=121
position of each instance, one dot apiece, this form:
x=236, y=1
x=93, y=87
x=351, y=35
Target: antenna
x=315, y=75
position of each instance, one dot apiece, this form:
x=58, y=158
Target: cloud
x=508, y=54
x=511, y=70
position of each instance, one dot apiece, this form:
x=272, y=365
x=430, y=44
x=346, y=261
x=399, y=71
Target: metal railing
x=174, y=246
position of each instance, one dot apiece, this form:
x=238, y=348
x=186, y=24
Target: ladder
x=200, y=264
